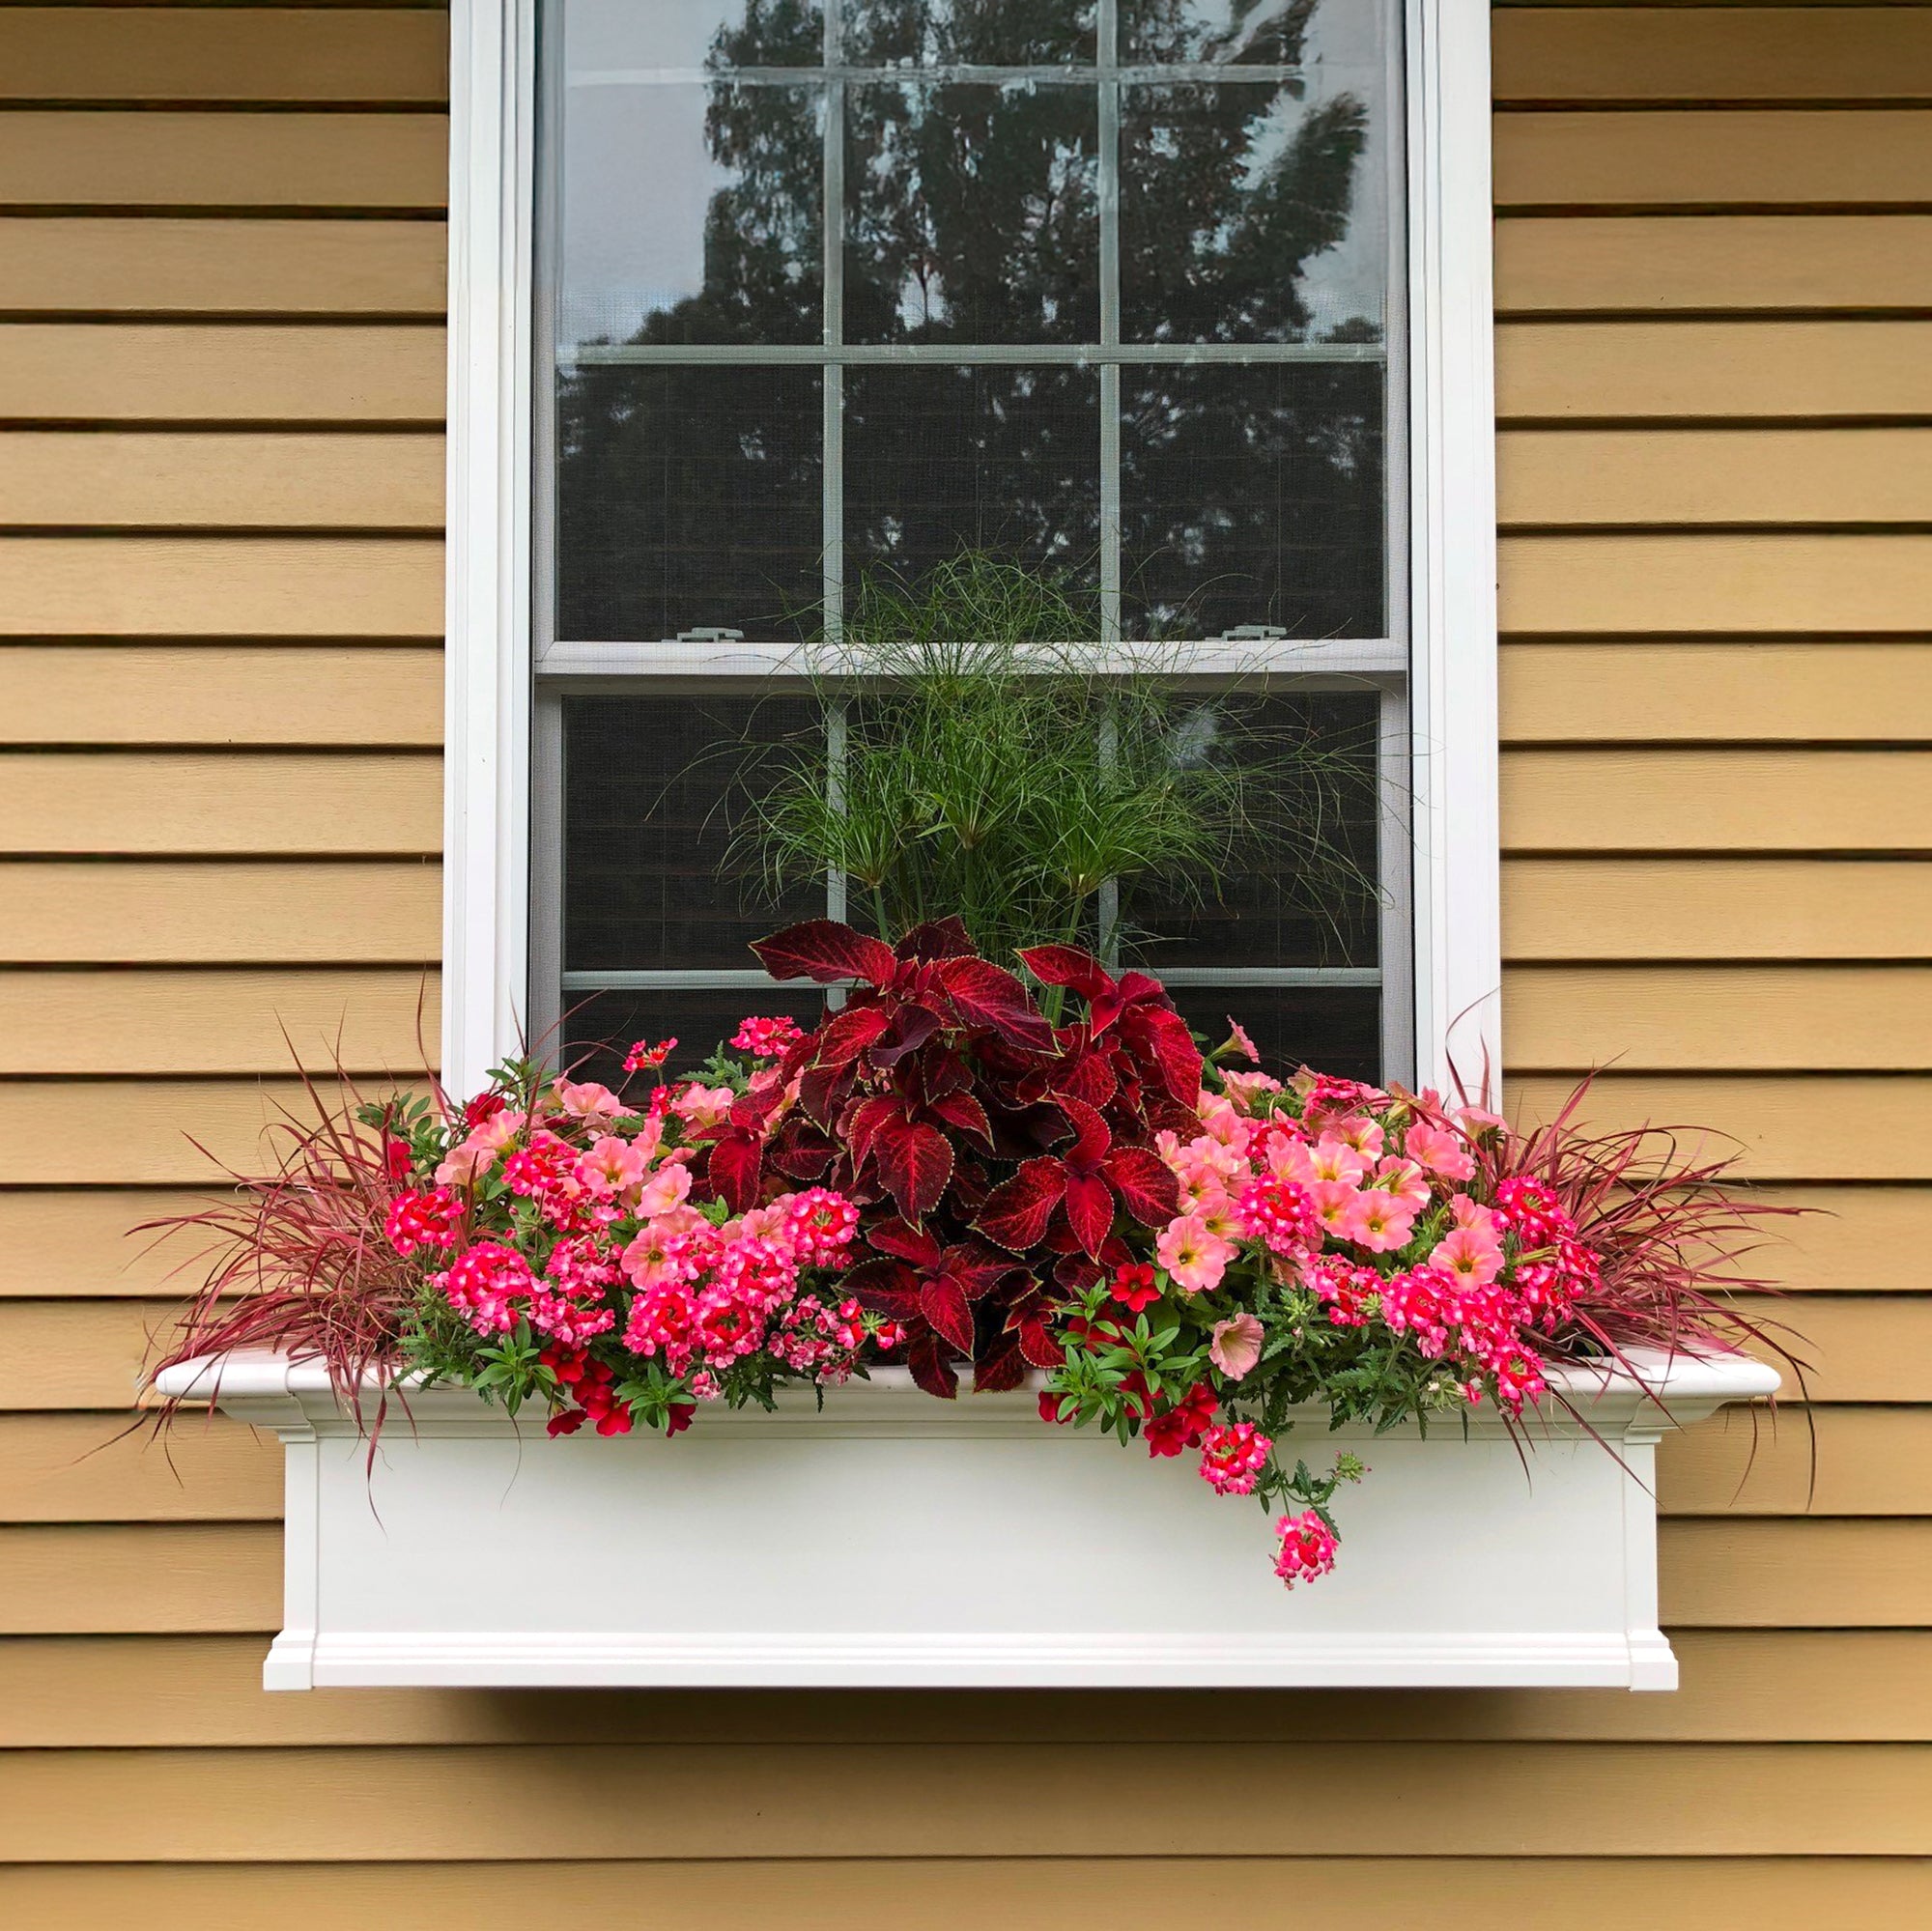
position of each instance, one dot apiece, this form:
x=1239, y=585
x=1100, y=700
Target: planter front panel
x=889, y=1539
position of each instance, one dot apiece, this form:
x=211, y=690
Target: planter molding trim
x=888, y=1539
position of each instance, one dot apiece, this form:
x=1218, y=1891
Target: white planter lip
x=1664, y=1390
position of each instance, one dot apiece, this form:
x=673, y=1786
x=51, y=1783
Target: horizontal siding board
x=185, y=1692
x=1710, y=692
x=136, y=266
x=79, y=159
x=1718, y=801
x=153, y=1577
x=222, y=587
x=219, y=372
x=1677, y=583
x=958, y=1894
x=165, y=1019
x=1774, y=1124
x=1796, y=1574
x=223, y=53
x=1667, y=53
x=1714, y=476
x=226, y=480
x=205, y=803
x=1717, y=908
x=903, y=1799
x=200, y=694
x=51, y=1129
x=1678, y=370
x=1677, y=159
x=89, y=1468
x=1568, y=1018
x=155, y=912
x=1823, y=1461
x=1852, y=1239
x=1740, y=263
x=56, y=1244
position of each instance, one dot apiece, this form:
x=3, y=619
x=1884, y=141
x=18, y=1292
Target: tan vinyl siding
x=221, y=273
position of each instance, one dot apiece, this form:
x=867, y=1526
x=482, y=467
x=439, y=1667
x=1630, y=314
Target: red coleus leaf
x=1015, y=1215
x=800, y=1150
x=910, y=1028
x=937, y=939
x=848, y=1034
x=1087, y=1075
x=976, y=1267
x=914, y=1162
x=864, y=1122
x=1092, y=1136
x=1144, y=1183
x=822, y=1092
x=931, y=1370
x=1002, y=1366
x=1090, y=1210
x=908, y=1243
x=1068, y=966
x=1037, y=1344
x=1174, y=1052
x=947, y=1311
x=962, y=1111
x=984, y=994
x=825, y=950
x=736, y=1161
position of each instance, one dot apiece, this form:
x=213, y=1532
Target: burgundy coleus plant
x=993, y=1153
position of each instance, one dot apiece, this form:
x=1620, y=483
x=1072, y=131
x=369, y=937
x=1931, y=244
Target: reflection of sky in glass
x=638, y=178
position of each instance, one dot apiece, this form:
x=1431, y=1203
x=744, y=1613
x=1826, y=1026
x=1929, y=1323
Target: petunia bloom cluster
x=570, y=1253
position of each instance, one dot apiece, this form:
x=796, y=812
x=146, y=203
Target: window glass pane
x=693, y=212
x=1302, y=890
x=603, y=37
x=971, y=213
x=938, y=458
x=982, y=33
x=1252, y=493
x=1312, y=34
x=687, y=499
x=654, y=787
x=1246, y=217
x=1333, y=1029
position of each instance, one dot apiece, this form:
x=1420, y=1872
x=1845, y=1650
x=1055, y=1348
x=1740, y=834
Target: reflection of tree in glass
x=970, y=215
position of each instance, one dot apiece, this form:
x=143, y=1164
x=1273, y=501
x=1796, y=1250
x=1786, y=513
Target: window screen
x=1104, y=287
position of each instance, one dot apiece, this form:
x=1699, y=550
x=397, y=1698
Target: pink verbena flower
x=768, y=1039
x=430, y=1219
x=1345, y=1290
x=821, y=1226
x=486, y=1283
x=642, y=1057
x=1281, y=1214
x=1307, y=1548
x=1233, y=1456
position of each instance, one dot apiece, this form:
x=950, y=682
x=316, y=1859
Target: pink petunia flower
x=1378, y=1221
x=593, y=1104
x=1474, y=1260
x=1438, y=1150
x=1234, y=1344
x=1193, y=1254
x=610, y=1166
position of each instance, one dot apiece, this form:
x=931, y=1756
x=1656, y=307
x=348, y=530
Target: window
x=751, y=298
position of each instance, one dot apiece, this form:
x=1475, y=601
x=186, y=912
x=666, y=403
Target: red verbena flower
x=641, y=1057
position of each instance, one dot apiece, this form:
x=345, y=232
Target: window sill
x=888, y=1539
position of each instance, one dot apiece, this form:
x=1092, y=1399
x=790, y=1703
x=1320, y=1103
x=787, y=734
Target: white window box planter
x=891, y=1539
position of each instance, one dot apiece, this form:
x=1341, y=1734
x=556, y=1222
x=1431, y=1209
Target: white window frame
x=1456, y=967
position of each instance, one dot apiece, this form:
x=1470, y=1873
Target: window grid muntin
x=1381, y=662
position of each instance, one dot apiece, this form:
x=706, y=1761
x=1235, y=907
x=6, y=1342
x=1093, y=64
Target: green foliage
x=991, y=759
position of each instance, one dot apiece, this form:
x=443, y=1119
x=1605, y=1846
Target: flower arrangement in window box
x=1179, y=1249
